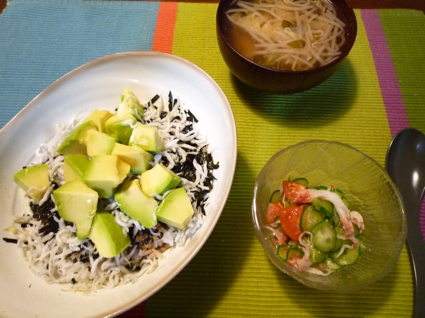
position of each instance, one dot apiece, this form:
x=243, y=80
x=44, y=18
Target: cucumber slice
x=309, y=218
x=287, y=251
x=338, y=245
x=339, y=230
x=275, y=197
x=330, y=264
x=350, y=256
x=322, y=188
x=317, y=256
x=288, y=202
x=323, y=206
x=324, y=236
x=336, y=222
x=302, y=181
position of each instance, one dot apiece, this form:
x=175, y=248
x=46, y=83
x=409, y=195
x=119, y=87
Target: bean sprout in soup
x=291, y=35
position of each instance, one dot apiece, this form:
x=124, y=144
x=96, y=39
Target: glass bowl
x=368, y=189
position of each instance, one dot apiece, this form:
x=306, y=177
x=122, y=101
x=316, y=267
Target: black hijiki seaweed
x=10, y=240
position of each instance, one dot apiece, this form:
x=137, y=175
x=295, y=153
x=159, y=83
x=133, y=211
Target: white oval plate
x=98, y=85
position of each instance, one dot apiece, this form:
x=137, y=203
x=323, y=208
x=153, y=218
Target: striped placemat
x=377, y=92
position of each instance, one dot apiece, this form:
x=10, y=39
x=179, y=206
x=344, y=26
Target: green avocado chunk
x=147, y=138
x=105, y=173
x=136, y=204
x=99, y=117
x=108, y=236
x=77, y=139
x=136, y=157
x=176, y=209
x=99, y=143
x=158, y=180
x=130, y=105
x=120, y=127
x=74, y=166
x=34, y=180
x=77, y=203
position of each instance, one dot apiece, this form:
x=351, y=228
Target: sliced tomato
x=290, y=221
x=274, y=210
x=296, y=192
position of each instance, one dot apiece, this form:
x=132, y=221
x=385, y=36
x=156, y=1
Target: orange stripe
x=165, y=23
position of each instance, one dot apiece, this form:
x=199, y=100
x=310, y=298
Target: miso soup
x=291, y=35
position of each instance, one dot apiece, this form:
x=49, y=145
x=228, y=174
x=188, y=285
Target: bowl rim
x=304, y=280
x=346, y=48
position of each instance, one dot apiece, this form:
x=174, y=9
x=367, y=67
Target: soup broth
x=291, y=35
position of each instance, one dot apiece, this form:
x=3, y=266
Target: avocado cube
x=104, y=173
x=130, y=105
x=74, y=166
x=147, y=138
x=99, y=143
x=108, y=236
x=76, y=140
x=120, y=127
x=77, y=203
x=136, y=204
x=136, y=157
x=34, y=180
x=158, y=180
x=176, y=209
x=99, y=117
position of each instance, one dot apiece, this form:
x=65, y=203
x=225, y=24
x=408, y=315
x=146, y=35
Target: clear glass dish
x=367, y=187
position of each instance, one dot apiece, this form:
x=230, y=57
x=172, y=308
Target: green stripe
x=407, y=51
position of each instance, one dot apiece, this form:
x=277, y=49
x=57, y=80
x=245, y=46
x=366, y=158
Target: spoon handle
x=416, y=247
x=405, y=164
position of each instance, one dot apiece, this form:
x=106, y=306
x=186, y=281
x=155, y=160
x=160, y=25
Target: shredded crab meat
x=304, y=263
x=307, y=195
x=357, y=219
x=59, y=257
x=279, y=235
x=317, y=271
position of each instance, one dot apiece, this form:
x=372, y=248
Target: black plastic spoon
x=405, y=164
